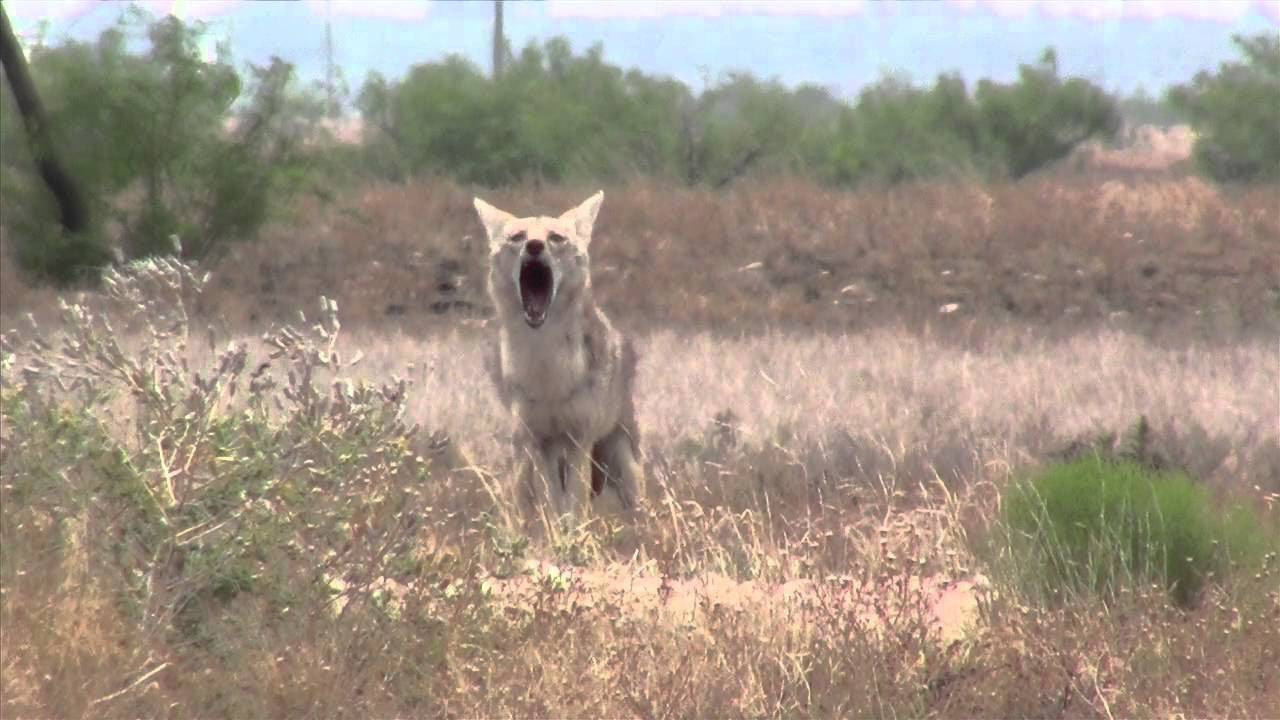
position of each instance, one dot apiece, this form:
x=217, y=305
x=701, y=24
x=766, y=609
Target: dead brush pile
x=287, y=526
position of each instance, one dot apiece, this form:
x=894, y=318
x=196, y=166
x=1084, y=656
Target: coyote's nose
x=535, y=247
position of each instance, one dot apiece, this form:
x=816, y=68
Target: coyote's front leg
x=614, y=465
x=559, y=473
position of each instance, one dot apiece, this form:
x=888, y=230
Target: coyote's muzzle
x=536, y=283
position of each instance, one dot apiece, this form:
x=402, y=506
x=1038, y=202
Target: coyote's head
x=538, y=266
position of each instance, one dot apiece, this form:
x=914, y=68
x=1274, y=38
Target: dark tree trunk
x=71, y=203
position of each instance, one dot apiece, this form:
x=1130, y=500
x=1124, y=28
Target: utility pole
x=499, y=43
x=331, y=99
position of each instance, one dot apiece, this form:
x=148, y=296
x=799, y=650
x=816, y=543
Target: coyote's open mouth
x=537, y=287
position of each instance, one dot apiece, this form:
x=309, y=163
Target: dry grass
x=1163, y=255
x=1168, y=256
x=859, y=468
x=825, y=452
x=891, y=398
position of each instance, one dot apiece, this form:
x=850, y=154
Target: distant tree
x=1141, y=108
x=163, y=142
x=499, y=40
x=334, y=85
x=556, y=115
x=744, y=124
x=1236, y=113
x=1042, y=117
x=552, y=115
x=897, y=132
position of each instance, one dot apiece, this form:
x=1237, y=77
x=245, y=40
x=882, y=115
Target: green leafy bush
x=1100, y=524
x=897, y=132
x=552, y=116
x=1236, y=113
x=556, y=116
x=1042, y=117
x=1140, y=108
x=744, y=125
x=164, y=142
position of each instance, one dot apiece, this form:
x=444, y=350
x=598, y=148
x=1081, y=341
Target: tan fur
x=567, y=378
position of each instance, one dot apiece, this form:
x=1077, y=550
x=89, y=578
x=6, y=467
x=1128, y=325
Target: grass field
x=308, y=523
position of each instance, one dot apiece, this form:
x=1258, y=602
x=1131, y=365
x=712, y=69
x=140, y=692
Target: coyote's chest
x=554, y=382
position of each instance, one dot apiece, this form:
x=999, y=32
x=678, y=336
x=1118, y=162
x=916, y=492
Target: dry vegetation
x=266, y=542
x=1172, y=255
x=1165, y=255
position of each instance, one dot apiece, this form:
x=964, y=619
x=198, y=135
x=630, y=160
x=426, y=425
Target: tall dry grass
x=890, y=397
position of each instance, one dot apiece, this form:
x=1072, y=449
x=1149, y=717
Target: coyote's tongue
x=536, y=284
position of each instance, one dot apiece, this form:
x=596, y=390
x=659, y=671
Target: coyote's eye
x=556, y=237
x=518, y=237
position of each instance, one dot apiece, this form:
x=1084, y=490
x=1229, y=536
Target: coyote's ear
x=583, y=217
x=492, y=218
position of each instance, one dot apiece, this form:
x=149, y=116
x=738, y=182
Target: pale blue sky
x=840, y=45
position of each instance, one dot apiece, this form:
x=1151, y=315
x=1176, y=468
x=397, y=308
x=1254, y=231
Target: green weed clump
x=1101, y=524
x=1234, y=112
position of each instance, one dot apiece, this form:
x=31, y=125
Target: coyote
x=561, y=368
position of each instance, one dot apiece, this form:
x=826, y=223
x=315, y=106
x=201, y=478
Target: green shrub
x=1042, y=117
x=897, y=132
x=551, y=116
x=1140, y=108
x=743, y=125
x=1099, y=524
x=555, y=116
x=186, y=479
x=147, y=134
x=1236, y=113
